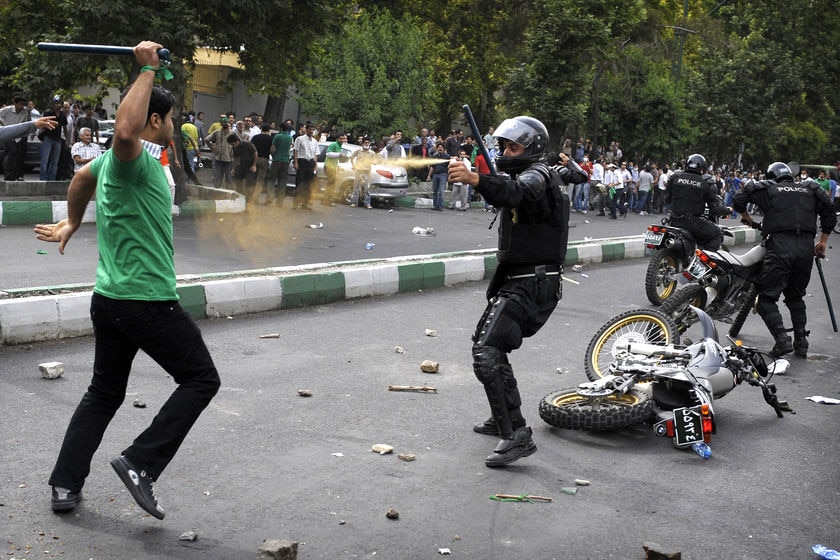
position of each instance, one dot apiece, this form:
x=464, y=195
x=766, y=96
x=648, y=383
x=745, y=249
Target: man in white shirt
x=305, y=163
x=85, y=150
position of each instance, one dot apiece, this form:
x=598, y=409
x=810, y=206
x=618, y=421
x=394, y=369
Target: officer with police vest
x=525, y=289
x=790, y=223
x=689, y=193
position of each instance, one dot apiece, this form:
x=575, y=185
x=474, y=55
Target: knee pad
x=486, y=360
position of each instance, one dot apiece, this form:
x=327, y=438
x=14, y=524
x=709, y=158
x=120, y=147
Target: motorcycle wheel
x=743, y=312
x=677, y=306
x=661, y=275
x=566, y=409
x=640, y=325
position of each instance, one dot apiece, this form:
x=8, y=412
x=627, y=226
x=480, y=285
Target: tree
x=373, y=79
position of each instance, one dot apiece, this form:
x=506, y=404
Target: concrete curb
x=25, y=318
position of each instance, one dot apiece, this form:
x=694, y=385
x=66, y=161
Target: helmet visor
x=516, y=131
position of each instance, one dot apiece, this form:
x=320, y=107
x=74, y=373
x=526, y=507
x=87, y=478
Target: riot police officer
x=689, y=193
x=790, y=223
x=525, y=289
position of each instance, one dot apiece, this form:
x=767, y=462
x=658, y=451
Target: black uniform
x=790, y=223
x=525, y=289
x=689, y=194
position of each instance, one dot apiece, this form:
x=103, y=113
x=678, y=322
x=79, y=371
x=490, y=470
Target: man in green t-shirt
x=278, y=173
x=134, y=304
x=331, y=169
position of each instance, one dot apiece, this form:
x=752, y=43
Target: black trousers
x=165, y=332
x=14, y=158
x=707, y=234
x=304, y=179
x=786, y=271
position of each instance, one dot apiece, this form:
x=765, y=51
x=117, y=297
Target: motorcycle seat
x=746, y=260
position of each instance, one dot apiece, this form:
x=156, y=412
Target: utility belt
x=540, y=271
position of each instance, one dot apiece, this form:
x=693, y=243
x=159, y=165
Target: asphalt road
x=263, y=462
x=267, y=237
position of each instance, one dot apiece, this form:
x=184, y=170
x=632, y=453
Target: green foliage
x=373, y=80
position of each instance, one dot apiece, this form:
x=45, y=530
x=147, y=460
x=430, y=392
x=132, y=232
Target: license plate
x=653, y=238
x=697, y=268
x=688, y=426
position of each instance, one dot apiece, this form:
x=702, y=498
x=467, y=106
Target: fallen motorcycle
x=722, y=284
x=673, y=386
x=672, y=249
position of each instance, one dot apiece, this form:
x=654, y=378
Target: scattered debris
x=823, y=400
x=382, y=448
x=654, y=551
x=412, y=388
x=399, y=349
x=569, y=490
x=581, y=482
x=270, y=335
x=584, y=275
x=825, y=552
x=408, y=457
x=431, y=332
x=429, y=366
x=424, y=232
x=274, y=549
x=521, y=498
x=51, y=370
x=392, y=514
x=41, y=252
x=561, y=371
x=304, y=392
x=319, y=225
x=188, y=536
x=369, y=246
x=139, y=404
x=444, y=551
x=577, y=268
x=337, y=454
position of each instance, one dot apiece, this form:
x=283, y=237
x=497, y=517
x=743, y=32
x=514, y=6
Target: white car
x=386, y=181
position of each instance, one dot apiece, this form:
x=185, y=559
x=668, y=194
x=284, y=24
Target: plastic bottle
x=702, y=449
x=369, y=246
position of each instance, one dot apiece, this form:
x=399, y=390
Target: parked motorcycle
x=672, y=249
x=722, y=284
x=673, y=386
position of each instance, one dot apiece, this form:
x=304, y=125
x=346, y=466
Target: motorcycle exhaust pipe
x=656, y=350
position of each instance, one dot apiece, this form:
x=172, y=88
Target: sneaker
x=488, y=428
x=352, y=206
x=63, y=499
x=509, y=450
x=139, y=484
x=583, y=211
x=368, y=206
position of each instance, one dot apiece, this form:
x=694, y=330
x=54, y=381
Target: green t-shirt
x=134, y=229
x=332, y=162
x=282, y=143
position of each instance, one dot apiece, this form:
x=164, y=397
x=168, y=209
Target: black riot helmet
x=779, y=171
x=529, y=133
x=696, y=164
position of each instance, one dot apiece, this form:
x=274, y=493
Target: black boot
x=488, y=427
x=782, y=346
x=509, y=450
x=800, y=342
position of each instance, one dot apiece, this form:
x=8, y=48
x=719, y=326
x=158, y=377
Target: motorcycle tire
x=661, y=275
x=677, y=305
x=569, y=410
x=640, y=325
x=741, y=317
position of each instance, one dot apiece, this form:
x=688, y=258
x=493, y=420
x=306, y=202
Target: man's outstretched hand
x=55, y=233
